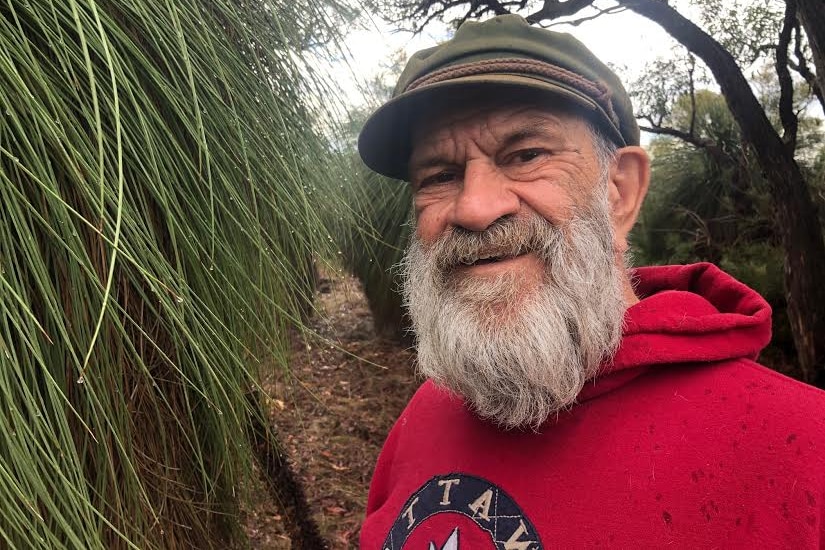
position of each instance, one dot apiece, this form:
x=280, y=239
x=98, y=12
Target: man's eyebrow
x=430, y=162
x=537, y=129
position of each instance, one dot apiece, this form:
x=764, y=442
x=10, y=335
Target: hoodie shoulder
x=783, y=393
x=692, y=314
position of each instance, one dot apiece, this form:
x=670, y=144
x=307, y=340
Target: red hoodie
x=683, y=442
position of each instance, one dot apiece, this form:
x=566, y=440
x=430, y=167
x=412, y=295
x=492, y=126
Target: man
x=572, y=402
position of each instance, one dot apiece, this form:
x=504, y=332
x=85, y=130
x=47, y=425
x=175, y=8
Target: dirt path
x=333, y=414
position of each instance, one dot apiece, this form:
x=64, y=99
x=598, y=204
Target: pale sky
x=625, y=40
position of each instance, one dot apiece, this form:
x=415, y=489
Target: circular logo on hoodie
x=461, y=512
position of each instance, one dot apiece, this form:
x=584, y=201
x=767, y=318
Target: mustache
x=506, y=237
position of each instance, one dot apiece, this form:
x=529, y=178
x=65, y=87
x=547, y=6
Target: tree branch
x=712, y=148
x=692, y=85
x=576, y=22
x=496, y=7
x=801, y=66
x=688, y=137
x=790, y=122
x=553, y=9
x=759, y=50
x=422, y=13
x=812, y=17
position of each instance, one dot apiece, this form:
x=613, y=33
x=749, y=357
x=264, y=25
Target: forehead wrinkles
x=453, y=133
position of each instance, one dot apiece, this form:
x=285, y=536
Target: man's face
x=472, y=168
x=512, y=280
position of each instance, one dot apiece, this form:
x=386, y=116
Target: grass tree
x=159, y=182
x=374, y=246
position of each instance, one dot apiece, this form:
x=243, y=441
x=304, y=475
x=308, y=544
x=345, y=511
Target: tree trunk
x=796, y=217
x=812, y=16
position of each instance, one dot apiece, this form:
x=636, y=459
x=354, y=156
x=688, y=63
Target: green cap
x=500, y=55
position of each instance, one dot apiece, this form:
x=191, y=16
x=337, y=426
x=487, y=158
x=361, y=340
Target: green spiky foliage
x=702, y=200
x=157, y=167
x=373, y=248
x=382, y=211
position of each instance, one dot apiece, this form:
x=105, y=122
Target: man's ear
x=628, y=181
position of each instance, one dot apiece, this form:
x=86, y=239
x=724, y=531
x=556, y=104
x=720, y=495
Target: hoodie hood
x=685, y=314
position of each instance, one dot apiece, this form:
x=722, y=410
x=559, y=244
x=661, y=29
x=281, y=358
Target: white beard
x=518, y=355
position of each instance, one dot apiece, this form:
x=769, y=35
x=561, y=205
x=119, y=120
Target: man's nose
x=484, y=197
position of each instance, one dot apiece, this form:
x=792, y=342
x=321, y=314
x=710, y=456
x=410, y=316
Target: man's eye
x=526, y=155
x=441, y=177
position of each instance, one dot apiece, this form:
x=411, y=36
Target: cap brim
x=385, y=140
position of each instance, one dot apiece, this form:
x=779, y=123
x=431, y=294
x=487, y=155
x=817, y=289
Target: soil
x=333, y=411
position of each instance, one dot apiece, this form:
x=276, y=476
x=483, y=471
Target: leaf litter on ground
x=333, y=412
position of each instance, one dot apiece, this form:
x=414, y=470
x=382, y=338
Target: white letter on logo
x=447, y=483
x=514, y=544
x=409, y=514
x=483, y=503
